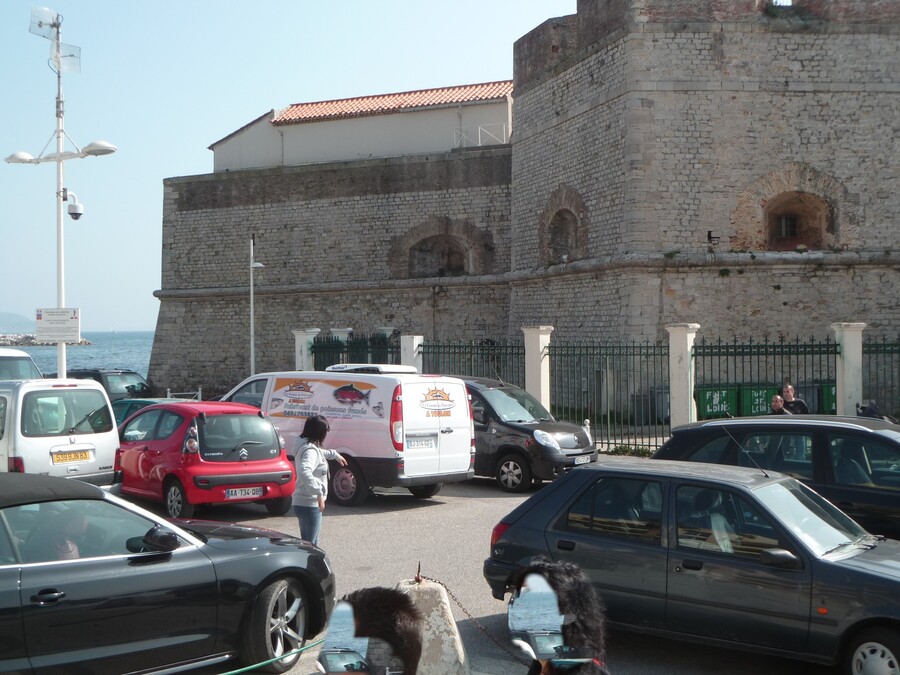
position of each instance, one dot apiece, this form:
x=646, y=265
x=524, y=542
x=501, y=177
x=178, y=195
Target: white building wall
x=262, y=145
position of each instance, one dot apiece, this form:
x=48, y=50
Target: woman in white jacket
x=312, y=476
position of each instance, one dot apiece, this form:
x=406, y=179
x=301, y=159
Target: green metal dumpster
x=714, y=400
x=828, y=398
x=756, y=399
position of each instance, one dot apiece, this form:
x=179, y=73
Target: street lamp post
x=46, y=23
x=253, y=266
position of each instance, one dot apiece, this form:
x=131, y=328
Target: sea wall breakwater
x=27, y=340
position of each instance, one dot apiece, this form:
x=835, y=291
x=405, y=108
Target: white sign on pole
x=58, y=325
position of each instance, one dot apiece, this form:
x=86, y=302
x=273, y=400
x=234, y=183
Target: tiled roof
x=388, y=103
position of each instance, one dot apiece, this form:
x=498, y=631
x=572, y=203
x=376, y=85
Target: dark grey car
x=854, y=462
x=728, y=556
x=518, y=441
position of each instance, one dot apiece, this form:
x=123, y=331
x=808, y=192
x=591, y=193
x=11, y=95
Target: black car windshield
x=516, y=405
x=811, y=518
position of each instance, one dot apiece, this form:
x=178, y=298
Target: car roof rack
x=374, y=368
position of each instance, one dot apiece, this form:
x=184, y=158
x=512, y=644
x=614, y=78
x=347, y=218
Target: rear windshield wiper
x=243, y=443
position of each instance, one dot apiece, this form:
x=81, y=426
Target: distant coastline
x=27, y=340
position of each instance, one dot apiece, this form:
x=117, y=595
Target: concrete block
x=443, y=652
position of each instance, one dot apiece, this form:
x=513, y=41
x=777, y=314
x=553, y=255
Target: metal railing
x=328, y=350
x=498, y=359
x=739, y=378
x=881, y=374
x=623, y=389
x=486, y=134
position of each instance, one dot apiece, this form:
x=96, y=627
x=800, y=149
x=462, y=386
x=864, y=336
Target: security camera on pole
x=46, y=23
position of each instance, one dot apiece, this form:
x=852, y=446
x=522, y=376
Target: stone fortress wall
x=656, y=146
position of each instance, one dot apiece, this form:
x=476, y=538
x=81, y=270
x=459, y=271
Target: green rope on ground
x=277, y=658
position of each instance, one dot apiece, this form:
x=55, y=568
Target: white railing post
x=682, y=408
x=411, y=351
x=303, y=340
x=848, y=388
x=537, y=362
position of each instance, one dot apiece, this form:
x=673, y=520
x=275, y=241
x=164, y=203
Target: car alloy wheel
x=177, y=505
x=276, y=627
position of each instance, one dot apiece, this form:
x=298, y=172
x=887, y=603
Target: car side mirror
x=157, y=540
x=779, y=557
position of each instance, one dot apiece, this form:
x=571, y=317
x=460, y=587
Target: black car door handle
x=447, y=430
x=47, y=597
x=565, y=545
x=692, y=564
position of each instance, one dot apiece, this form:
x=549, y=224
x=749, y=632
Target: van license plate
x=243, y=493
x=584, y=459
x=68, y=457
x=420, y=443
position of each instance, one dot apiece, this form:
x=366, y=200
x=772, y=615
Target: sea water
x=128, y=350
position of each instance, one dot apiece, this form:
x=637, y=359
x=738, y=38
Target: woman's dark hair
x=585, y=621
x=315, y=429
x=390, y=615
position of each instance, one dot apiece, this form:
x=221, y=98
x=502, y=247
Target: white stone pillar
x=303, y=339
x=342, y=334
x=682, y=407
x=411, y=351
x=848, y=379
x=537, y=362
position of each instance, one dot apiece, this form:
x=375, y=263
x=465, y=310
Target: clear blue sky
x=164, y=79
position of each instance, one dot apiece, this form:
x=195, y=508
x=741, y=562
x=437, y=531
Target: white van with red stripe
x=394, y=426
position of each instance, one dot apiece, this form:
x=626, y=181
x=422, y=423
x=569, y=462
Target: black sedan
x=720, y=555
x=92, y=584
x=854, y=462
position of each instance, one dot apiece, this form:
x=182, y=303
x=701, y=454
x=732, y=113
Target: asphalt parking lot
x=384, y=541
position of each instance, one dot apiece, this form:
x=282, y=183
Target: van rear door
x=436, y=426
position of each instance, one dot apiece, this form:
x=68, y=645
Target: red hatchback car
x=192, y=453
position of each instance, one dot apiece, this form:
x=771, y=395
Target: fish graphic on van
x=350, y=395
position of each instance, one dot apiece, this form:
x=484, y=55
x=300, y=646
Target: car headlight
x=545, y=439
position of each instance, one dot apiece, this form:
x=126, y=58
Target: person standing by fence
x=794, y=405
x=778, y=407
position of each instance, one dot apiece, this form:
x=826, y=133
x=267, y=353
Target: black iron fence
x=739, y=378
x=328, y=350
x=498, y=359
x=881, y=374
x=621, y=389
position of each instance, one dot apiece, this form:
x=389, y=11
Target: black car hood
x=569, y=436
x=231, y=536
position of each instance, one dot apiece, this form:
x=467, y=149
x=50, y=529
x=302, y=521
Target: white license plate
x=243, y=493
x=584, y=459
x=420, y=443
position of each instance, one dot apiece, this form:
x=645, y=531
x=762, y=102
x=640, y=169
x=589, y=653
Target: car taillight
x=118, y=463
x=397, y=418
x=498, y=531
x=191, y=446
x=16, y=465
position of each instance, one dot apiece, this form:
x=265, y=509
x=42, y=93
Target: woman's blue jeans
x=310, y=519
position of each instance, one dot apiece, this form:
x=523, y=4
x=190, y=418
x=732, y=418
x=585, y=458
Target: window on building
x=563, y=233
x=798, y=219
x=438, y=256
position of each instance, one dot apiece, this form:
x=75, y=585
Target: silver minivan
x=61, y=428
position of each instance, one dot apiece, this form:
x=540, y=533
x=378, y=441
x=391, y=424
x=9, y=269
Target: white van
x=17, y=365
x=394, y=426
x=61, y=428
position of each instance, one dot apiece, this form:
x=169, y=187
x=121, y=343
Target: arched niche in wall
x=795, y=206
x=563, y=227
x=441, y=246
